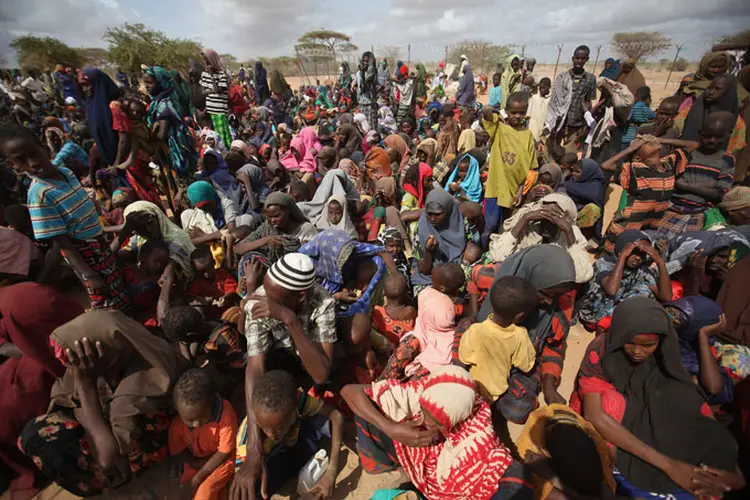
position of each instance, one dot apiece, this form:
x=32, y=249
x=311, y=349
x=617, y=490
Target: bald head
x=719, y=122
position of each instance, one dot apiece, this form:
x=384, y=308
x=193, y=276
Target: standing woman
x=216, y=88
x=262, y=92
x=367, y=87
x=99, y=91
x=511, y=79
x=164, y=117
x=110, y=412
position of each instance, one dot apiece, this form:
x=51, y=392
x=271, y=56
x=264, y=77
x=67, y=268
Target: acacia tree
x=44, y=53
x=95, y=56
x=640, y=45
x=324, y=41
x=481, y=53
x=132, y=45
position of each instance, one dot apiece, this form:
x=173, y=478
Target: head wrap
x=555, y=172
x=448, y=396
x=472, y=183
x=451, y=237
x=293, y=271
x=213, y=59
x=98, y=114
x=736, y=198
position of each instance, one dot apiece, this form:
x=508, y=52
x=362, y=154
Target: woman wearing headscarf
x=611, y=69
x=426, y=151
x=348, y=138
x=197, y=96
x=99, y=91
x=720, y=95
x=551, y=220
x=145, y=221
x=285, y=229
x=631, y=77
x=367, y=84
x=215, y=84
x=633, y=388
x=216, y=171
x=420, y=82
x=335, y=182
x=377, y=166
x=464, y=182
x=440, y=236
x=510, y=81
x=164, y=116
x=586, y=187
x=397, y=142
x=439, y=430
x=29, y=312
x=550, y=270
x=345, y=76
x=335, y=215
x=262, y=92
x=629, y=273
x=386, y=121
x=546, y=180
x=465, y=95
x=113, y=363
x=418, y=183
x=697, y=320
x=712, y=65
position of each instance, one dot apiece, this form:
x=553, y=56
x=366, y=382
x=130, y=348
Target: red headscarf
x=418, y=191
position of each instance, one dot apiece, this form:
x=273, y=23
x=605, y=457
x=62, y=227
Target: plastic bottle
x=312, y=472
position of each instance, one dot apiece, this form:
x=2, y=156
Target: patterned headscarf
x=448, y=395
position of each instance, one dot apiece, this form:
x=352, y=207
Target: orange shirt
x=219, y=434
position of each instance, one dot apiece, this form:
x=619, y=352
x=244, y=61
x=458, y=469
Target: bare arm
x=611, y=164
x=710, y=373
x=215, y=461
x=411, y=215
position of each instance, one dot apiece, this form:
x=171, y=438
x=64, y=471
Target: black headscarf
x=369, y=75
x=663, y=404
x=701, y=109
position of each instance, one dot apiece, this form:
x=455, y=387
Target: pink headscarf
x=434, y=329
x=307, y=162
x=310, y=138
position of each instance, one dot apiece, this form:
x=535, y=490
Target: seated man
x=290, y=323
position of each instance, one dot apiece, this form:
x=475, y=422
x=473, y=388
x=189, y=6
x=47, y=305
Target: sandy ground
x=352, y=482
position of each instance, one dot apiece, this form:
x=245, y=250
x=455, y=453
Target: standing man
x=572, y=94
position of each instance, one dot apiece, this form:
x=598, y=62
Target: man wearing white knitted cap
x=290, y=324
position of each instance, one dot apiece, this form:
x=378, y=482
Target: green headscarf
x=182, y=92
x=505, y=80
x=420, y=82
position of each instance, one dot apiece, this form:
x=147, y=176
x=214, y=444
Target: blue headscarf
x=98, y=114
x=590, y=188
x=336, y=255
x=224, y=180
x=695, y=312
x=202, y=192
x=472, y=183
x=451, y=237
x=613, y=71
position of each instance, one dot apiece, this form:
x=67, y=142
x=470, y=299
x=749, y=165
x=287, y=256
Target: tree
x=327, y=40
x=95, y=56
x=44, y=53
x=391, y=54
x=317, y=53
x=132, y=45
x=680, y=64
x=640, y=45
x=230, y=62
x=481, y=53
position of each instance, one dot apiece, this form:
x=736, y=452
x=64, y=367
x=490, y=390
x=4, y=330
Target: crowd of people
x=264, y=265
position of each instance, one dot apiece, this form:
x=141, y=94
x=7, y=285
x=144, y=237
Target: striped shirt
x=217, y=104
x=699, y=168
x=641, y=114
x=72, y=151
x=62, y=208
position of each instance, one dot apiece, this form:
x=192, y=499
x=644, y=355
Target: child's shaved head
x=448, y=278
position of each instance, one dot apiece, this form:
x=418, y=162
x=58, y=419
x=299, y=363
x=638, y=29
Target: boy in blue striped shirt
x=641, y=114
x=62, y=212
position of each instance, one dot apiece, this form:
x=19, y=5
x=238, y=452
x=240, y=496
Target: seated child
x=628, y=274
x=397, y=317
x=215, y=346
x=492, y=348
x=299, y=191
x=391, y=238
x=212, y=289
x=430, y=345
x=202, y=438
x=142, y=280
x=544, y=445
x=472, y=255
x=290, y=432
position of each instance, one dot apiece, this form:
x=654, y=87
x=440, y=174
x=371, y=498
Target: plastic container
x=311, y=474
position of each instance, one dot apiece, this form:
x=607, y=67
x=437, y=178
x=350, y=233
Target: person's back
x=496, y=92
x=493, y=348
x=640, y=114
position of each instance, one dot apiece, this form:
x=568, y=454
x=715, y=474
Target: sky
x=252, y=28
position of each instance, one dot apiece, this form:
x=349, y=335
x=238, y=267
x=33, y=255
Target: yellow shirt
x=491, y=351
x=512, y=155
